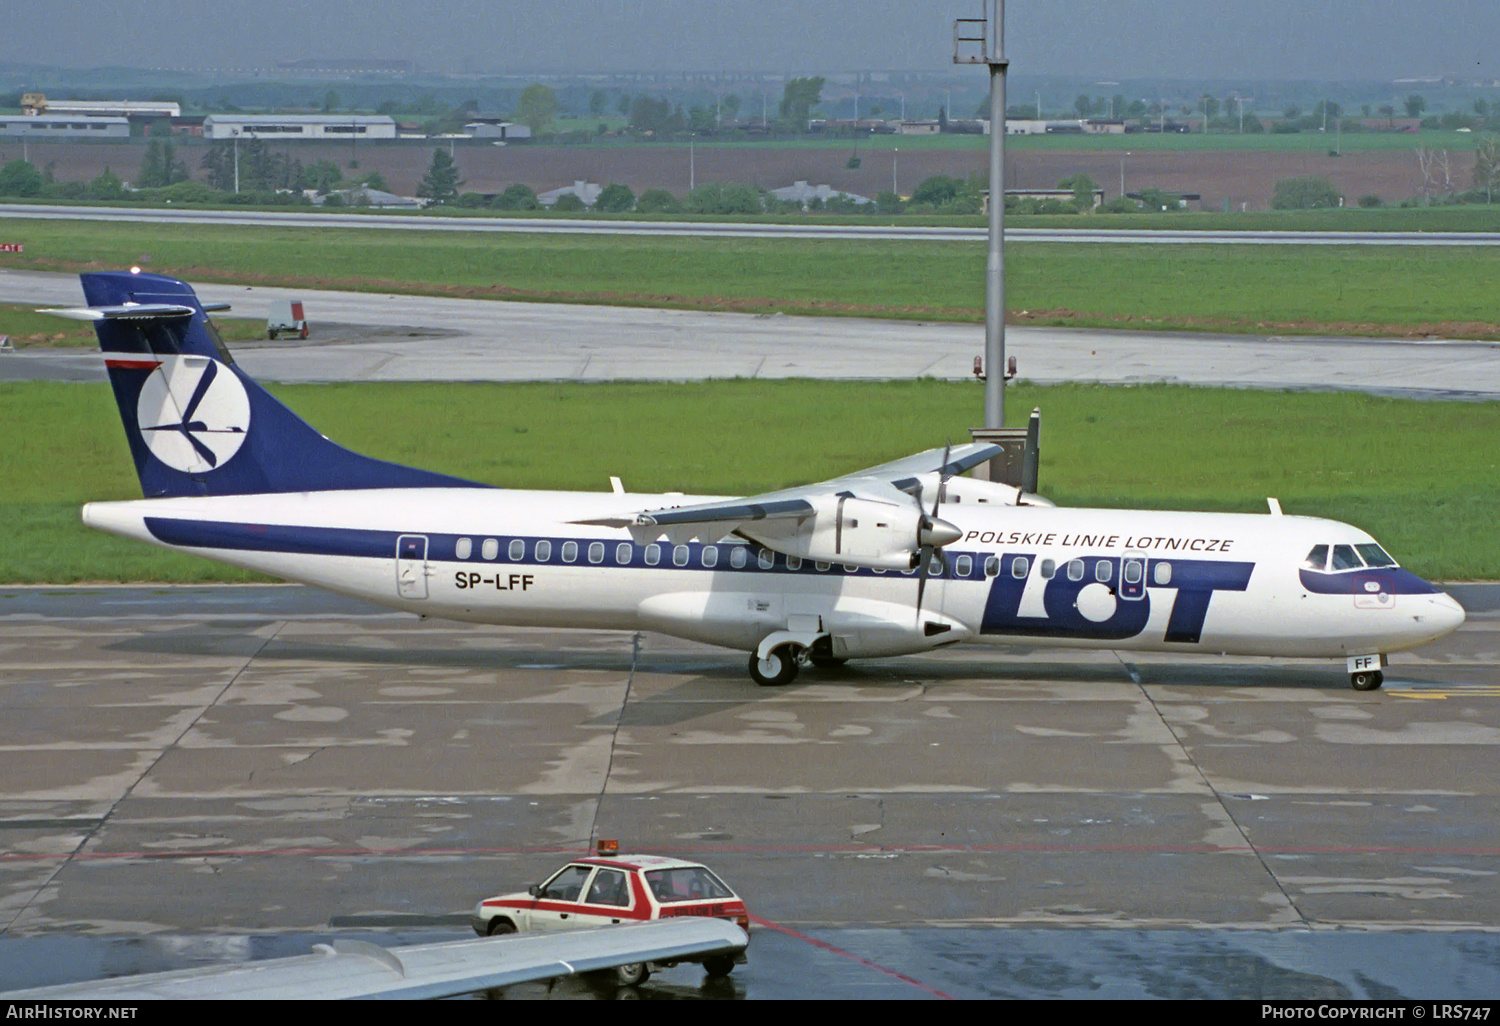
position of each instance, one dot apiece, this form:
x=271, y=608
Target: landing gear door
x=411, y=566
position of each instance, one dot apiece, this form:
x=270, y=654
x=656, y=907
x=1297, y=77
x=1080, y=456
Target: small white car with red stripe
x=608, y=890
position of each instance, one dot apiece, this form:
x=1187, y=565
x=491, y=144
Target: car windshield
x=688, y=883
x=567, y=885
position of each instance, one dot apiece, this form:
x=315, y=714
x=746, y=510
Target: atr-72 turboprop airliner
x=901, y=558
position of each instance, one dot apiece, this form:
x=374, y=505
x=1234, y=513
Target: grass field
x=1421, y=476
x=1332, y=290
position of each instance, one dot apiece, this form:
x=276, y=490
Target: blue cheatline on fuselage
x=1193, y=582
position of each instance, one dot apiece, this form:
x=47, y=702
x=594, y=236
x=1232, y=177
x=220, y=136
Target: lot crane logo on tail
x=193, y=418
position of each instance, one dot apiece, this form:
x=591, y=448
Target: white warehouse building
x=286, y=127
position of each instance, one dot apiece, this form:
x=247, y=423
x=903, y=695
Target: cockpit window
x=1317, y=559
x=1345, y=558
x=1375, y=555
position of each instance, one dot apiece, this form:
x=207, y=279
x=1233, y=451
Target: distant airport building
x=364, y=196
x=287, y=127
x=112, y=108
x=496, y=131
x=48, y=126
x=586, y=191
x=803, y=193
x=36, y=104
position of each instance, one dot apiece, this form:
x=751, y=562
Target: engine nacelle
x=846, y=529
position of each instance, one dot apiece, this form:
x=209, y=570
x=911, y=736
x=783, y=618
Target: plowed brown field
x=1234, y=178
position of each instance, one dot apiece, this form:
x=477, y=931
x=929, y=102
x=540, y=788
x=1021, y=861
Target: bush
x=107, y=186
x=1369, y=200
x=615, y=199
x=657, y=201
x=516, y=197
x=569, y=203
x=1307, y=192
x=727, y=198
x=20, y=178
x=937, y=190
x=887, y=202
x=470, y=200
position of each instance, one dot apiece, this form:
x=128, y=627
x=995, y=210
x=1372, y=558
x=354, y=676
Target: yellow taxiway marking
x=1447, y=691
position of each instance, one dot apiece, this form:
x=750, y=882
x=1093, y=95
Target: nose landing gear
x=1364, y=671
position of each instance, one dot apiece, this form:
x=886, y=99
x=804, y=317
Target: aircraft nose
x=1447, y=615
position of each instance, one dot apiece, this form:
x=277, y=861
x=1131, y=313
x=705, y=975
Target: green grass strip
x=1423, y=477
x=1281, y=289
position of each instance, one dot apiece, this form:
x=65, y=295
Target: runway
x=381, y=337
x=720, y=229
x=272, y=765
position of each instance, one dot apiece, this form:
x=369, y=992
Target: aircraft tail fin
x=199, y=425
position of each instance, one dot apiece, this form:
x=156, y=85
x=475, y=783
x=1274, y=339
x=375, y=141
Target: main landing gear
x=1366, y=680
x=778, y=668
x=782, y=663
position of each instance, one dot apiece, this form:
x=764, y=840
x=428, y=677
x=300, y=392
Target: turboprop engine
x=858, y=532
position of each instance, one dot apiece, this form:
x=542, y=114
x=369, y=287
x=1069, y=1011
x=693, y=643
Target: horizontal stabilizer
x=125, y=311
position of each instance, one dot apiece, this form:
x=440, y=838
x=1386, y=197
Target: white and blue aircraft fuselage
x=898, y=559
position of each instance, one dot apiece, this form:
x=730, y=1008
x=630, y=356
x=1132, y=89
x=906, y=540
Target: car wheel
x=499, y=927
x=718, y=966
x=632, y=974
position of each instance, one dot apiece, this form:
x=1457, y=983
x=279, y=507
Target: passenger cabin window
x=1374, y=555
x=653, y=554
x=991, y=566
x=1317, y=559
x=569, y=551
x=1049, y=569
x=738, y=557
x=710, y=556
x=490, y=549
x=821, y=566
x=680, y=555
x=765, y=559
x=1104, y=570
x=1345, y=558
x=622, y=553
x=1161, y=573
x=1020, y=567
x=794, y=562
x=935, y=566
x=1133, y=571
x=517, y=549
x=1075, y=569
x=963, y=566
x=543, y=551
x=463, y=548
x=596, y=552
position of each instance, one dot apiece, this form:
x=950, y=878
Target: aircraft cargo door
x=411, y=566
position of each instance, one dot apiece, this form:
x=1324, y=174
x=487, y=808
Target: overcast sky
x=1155, y=39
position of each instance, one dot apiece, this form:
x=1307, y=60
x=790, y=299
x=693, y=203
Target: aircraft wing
x=891, y=482
x=359, y=969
